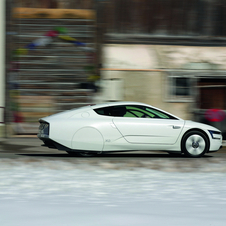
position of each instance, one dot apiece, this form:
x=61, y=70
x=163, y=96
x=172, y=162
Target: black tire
x=194, y=144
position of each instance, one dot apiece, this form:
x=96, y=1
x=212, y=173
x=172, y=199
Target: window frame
x=171, y=87
x=139, y=108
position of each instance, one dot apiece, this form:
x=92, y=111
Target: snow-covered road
x=57, y=192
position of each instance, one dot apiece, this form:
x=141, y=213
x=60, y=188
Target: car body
x=126, y=126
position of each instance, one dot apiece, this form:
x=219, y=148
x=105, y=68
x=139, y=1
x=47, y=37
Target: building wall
x=47, y=74
x=193, y=57
x=142, y=70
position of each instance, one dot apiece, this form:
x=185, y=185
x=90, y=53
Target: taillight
x=44, y=129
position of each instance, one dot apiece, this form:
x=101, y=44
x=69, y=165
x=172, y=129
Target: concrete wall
x=142, y=71
x=192, y=57
x=138, y=85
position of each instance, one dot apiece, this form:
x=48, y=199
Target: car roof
x=109, y=104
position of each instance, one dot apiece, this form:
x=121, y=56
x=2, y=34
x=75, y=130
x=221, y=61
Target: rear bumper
x=53, y=144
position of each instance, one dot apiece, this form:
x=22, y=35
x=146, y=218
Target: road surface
x=41, y=186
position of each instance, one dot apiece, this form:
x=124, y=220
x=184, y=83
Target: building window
x=180, y=89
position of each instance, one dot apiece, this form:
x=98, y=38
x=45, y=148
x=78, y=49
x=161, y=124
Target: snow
x=59, y=192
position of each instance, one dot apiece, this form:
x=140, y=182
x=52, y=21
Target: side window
x=132, y=111
x=146, y=112
x=116, y=111
x=129, y=114
x=138, y=112
x=100, y=111
x=158, y=113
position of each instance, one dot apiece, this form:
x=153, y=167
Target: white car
x=126, y=126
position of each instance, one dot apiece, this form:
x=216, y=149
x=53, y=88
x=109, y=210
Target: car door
x=143, y=124
x=149, y=130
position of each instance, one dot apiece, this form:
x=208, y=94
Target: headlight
x=215, y=134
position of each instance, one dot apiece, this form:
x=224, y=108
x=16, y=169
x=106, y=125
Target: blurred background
x=61, y=54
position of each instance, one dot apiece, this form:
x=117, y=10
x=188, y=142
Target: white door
x=149, y=130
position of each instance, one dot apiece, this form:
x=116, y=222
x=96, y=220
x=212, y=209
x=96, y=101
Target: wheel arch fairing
x=84, y=131
x=87, y=138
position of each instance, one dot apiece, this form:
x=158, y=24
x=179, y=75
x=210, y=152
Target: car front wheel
x=194, y=144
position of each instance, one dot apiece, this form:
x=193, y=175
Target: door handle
x=176, y=127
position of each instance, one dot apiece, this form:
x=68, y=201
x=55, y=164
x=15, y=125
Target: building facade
x=51, y=60
x=169, y=53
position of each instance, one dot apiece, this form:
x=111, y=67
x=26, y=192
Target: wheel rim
x=195, y=144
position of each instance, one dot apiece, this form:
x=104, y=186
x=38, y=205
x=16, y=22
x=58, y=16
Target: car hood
x=193, y=124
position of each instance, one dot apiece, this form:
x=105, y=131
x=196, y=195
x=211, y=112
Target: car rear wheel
x=194, y=144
